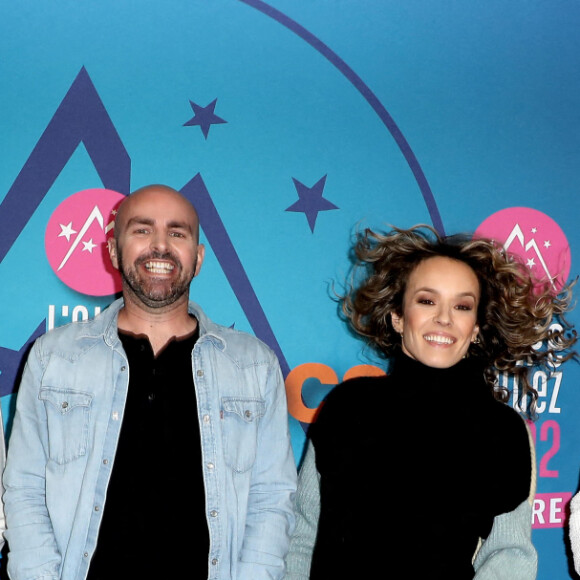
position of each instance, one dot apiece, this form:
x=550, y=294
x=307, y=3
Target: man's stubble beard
x=158, y=295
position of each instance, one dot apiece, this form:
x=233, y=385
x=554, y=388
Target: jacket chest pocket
x=67, y=415
x=240, y=420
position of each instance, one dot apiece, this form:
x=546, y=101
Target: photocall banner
x=290, y=124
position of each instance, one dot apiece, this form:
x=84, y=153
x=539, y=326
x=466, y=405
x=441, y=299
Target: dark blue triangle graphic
x=227, y=256
x=80, y=118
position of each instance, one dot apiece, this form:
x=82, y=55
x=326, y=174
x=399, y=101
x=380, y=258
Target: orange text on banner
x=326, y=376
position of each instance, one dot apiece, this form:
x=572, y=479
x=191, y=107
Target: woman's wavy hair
x=515, y=312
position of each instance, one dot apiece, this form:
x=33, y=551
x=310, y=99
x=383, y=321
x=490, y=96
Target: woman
x=434, y=476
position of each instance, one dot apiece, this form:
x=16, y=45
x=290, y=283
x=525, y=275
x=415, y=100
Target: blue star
x=204, y=117
x=311, y=201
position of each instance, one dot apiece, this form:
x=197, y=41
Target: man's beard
x=159, y=294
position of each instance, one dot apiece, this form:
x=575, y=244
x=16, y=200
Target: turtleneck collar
x=463, y=382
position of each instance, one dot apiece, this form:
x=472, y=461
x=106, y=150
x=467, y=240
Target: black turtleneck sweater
x=414, y=467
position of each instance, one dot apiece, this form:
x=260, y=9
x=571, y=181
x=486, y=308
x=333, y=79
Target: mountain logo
x=75, y=241
x=536, y=238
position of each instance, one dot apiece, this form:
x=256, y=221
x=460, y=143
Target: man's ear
x=200, y=257
x=112, y=245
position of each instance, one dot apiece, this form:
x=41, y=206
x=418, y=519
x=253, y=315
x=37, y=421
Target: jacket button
x=213, y=513
x=214, y=562
x=200, y=373
x=210, y=465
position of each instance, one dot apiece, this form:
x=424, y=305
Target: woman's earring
x=476, y=340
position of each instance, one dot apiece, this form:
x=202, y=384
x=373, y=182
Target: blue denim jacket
x=66, y=426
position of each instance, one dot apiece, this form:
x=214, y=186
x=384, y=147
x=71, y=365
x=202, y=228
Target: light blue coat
x=66, y=426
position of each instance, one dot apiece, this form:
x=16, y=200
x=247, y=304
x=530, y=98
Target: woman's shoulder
x=356, y=390
x=346, y=402
x=508, y=423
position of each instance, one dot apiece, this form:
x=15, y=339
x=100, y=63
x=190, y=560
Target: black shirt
x=415, y=473
x=154, y=523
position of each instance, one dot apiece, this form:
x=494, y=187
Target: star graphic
x=66, y=231
x=530, y=263
x=547, y=244
x=534, y=230
x=89, y=246
x=311, y=201
x=204, y=117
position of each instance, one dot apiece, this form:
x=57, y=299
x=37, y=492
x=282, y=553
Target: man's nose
x=159, y=241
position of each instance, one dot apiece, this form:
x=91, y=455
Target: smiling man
x=150, y=443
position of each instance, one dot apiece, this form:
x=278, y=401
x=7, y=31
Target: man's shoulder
x=238, y=341
x=66, y=336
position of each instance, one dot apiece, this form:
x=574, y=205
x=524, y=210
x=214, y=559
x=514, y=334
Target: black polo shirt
x=154, y=523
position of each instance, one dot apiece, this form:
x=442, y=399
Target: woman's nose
x=443, y=317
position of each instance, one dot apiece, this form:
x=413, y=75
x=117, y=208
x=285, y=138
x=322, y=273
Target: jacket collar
x=105, y=325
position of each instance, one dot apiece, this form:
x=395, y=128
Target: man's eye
x=177, y=235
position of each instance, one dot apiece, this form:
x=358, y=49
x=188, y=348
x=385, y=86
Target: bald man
x=150, y=442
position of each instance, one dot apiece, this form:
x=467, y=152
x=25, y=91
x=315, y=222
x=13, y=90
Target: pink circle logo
x=536, y=238
x=75, y=241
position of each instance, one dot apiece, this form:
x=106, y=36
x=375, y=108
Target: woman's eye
x=425, y=301
x=464, y=307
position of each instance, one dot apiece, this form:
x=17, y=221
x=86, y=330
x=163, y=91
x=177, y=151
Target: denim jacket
x=66, y=426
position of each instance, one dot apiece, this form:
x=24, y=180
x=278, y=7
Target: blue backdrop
x=289, y=123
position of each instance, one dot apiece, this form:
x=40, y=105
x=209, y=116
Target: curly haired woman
x=434, y=476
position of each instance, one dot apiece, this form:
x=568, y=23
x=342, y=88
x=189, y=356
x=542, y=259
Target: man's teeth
x=159, y=267
x=439, y=339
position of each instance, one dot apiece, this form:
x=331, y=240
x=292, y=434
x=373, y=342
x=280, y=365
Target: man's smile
x=156, y=267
